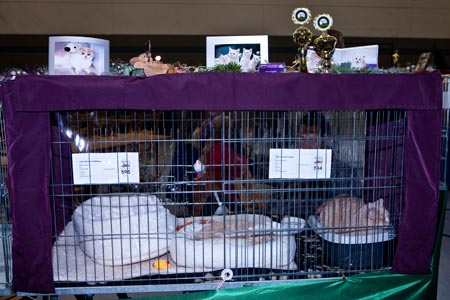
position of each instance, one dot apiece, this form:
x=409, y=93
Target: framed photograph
x=357, y=58
x=422, y=62
x=248, y=51
x=76, y=55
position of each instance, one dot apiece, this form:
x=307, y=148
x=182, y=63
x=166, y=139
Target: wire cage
x=185, y=200
x=5, y=219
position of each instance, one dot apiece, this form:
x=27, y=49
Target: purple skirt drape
x=28, y=101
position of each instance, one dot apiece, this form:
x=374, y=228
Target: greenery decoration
x=230, y=67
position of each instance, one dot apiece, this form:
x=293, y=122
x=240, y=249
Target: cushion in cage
x=234, y=241
x=119, y=229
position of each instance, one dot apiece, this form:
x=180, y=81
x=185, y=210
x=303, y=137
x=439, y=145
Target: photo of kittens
x=247, y=56
x=345, y=214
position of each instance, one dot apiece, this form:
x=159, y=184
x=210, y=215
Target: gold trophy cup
x=325, y=44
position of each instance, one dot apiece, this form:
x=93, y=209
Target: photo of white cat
x=74, y=59
x=357, y=58
x=78, y=56
x=81, y=61
x=245, y=59
x=233, y=55
x=358, y=62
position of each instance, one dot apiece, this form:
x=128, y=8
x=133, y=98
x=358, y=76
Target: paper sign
x=105, y=168
x=300, y=163
x=283, y=163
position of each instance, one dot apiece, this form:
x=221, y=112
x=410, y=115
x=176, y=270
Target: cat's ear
x=378, y=203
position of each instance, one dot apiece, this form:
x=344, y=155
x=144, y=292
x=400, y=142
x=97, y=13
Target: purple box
x=272, y=68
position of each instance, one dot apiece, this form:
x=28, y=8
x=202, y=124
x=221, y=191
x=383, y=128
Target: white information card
x=300, y=163
x=105, y=168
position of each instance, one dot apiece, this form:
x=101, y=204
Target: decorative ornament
x=323, y=22
x=301, y=16
x=145, y=62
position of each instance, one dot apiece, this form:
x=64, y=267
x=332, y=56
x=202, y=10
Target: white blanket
x=120, y=229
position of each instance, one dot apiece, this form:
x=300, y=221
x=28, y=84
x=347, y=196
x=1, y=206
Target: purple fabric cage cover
x=28, y=101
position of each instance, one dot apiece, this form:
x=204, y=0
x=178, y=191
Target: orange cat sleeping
x=350, y=214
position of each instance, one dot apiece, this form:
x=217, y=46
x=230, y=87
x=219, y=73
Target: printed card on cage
x=105, y=168
x=300, y=163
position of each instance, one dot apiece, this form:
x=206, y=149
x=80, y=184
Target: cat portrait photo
x=69, y=55
x=246, y=51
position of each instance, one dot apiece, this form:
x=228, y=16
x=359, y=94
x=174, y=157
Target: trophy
x=325, y=44
x=302, y=36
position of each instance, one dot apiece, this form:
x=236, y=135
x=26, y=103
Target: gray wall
x=355, y=18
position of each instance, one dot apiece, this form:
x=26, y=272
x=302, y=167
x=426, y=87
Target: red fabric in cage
x=226, y=164
x=28, y=100
x=224, y=155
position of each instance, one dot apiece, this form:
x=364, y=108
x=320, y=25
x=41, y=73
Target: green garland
x=121, y=68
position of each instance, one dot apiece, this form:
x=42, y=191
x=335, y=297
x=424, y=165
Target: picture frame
x=422, y=62
x=77, y=55
x=356, y=58
x=218, y=47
